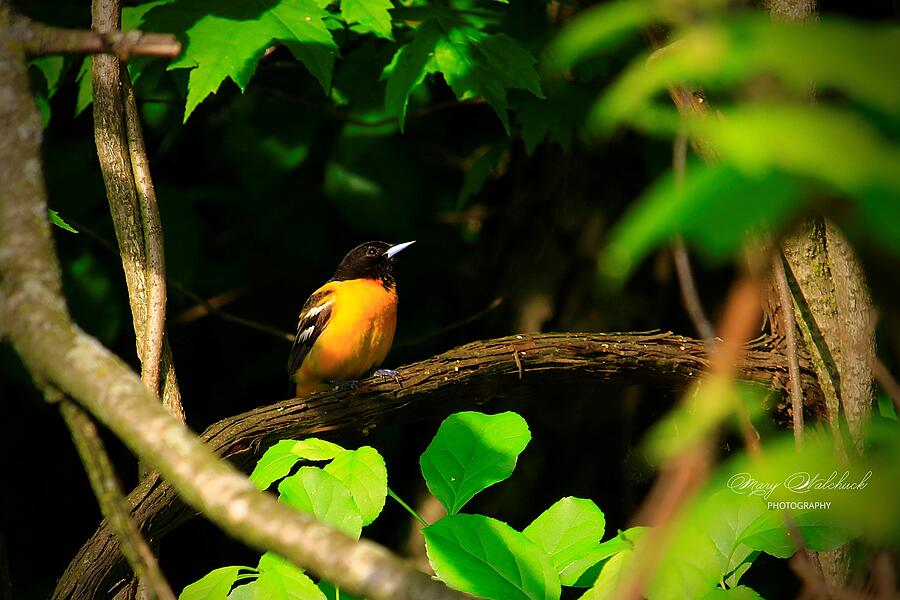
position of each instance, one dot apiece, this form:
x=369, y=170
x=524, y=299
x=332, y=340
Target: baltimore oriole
x=346, y=327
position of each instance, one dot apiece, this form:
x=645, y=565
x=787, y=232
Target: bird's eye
x=371, y=251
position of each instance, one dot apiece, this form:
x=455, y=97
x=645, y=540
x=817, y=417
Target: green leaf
x=488, y=558
x=410, y=65
x=271, y=561
x=512, y=62
x=471, y=452
x=583, y=571
x=614, y=572
x=59, y=222
x=691, y=566
x=368, y=16
x=215, y=585
x=51, y=68
x=468, y=73
x=557, y=117
x=85, y=83
x=365, y=475
x=314, y=491
x=332, y=593
x=226, y=40
x=854, y=59
x=274, y=464
x=599, y=29
x=568, y=531
x=715, y=208
x=770, y=533
x=725, y=518
x=247, y=591
x=284, y=581
x=735, y=593
x=316, y=449
x=833, y=146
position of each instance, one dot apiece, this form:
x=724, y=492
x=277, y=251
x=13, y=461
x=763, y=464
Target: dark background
x=245, y=221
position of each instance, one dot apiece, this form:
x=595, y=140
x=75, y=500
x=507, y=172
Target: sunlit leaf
x=568, y=531
x=471, y=452
x=364, y=473
x=314, y=491
x=488, y=558
x=276, y=462
x=215, y=585
x=368, y=16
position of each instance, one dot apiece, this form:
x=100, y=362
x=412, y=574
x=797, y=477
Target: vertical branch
x=112, y=503
x=132, y=199
x=790, y=334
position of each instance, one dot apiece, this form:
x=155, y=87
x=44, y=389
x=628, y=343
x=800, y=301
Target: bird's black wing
x=314, y=316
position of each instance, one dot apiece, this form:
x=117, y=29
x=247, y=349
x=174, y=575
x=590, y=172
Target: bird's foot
x=345, y=386
x=389, y=374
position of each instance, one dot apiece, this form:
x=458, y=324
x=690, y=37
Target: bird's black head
x=372, y=260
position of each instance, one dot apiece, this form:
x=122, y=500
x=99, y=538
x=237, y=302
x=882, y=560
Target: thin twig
x=208, y=306
x=43, y=40
x=790, y=337
x=886, y=380
x=112, y=503
x=455, y=325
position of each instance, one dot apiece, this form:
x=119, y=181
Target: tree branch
x=40, y=40
x=132, y=202
x=112, y=504
x=57, y=352
x=462, y=378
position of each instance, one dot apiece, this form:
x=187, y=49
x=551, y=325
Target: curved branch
x=56, y=351
x=462, y=378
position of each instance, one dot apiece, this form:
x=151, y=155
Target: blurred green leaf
x=599, y=29
x=85, y=91
x=557, y=117
x=714, y=209
x=773, y=534
x=822, y=143
x=319, y=493
x=852, y=58
x=471, y=452
x=488, y=558
x=691, y=566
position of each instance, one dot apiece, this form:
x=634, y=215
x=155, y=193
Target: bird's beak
x=397, y=248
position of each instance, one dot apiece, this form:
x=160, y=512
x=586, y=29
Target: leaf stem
x=391, y=493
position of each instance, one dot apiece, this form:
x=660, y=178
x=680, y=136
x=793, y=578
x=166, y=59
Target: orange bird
x=346, y=327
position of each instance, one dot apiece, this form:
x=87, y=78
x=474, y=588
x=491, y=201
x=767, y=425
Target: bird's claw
x=389, y=374
x=345, y=386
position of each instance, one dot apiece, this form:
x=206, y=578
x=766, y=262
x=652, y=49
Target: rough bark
x=462, y=378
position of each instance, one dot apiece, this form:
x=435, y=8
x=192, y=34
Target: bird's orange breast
x=357, y=337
